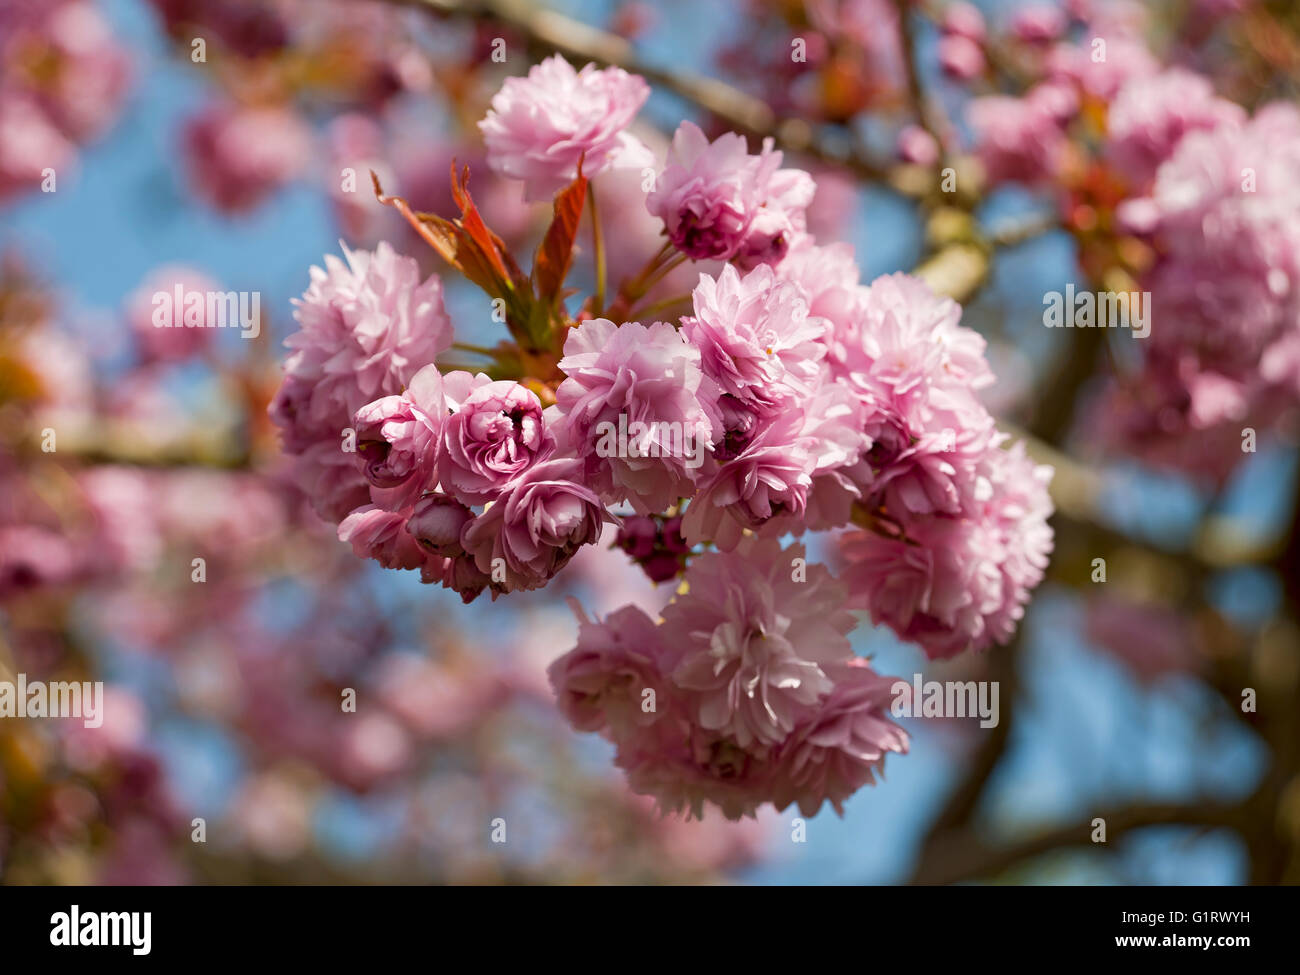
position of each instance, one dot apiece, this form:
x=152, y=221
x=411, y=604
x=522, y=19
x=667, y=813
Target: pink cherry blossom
x=365, y=328
x=957, y=583
x=168, y=343
x=709, y=192
x=964, y=19
x=437, y=521
x=398, y=439
x=494, y=431
x=757, y=340
x=540, y=519
x=645, y=380
x=1151, y=115
x=961, y=57
x=381, y=535
x=601, y=683
x=751, y=638
x=238, y=155
x=1019, y=139
x=718, y=202
x=843, y=746
x=540, y=126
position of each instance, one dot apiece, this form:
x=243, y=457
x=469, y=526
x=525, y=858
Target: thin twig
x=924, y=109
x=583, y=42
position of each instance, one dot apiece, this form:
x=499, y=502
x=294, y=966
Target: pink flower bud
x=436, y=523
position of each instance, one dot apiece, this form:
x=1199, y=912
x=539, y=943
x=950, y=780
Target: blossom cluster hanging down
x=778, y=394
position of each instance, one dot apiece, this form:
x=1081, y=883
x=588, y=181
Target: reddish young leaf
x=493, y=248
x=555, y=253
x=441, y=238
x=499, y=276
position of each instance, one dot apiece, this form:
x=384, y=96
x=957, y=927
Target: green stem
x=479, y=349
x=598, y=246
x=659, y=306
x=661, y=273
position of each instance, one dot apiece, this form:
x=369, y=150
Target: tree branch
x=925, y=111
x=583, y=42
x=963, y=854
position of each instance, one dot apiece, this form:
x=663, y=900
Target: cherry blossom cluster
x=781, y=396
x=279, y=61
x=1181, y=190
x=63, y=77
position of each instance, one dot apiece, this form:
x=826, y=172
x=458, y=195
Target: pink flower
x=1019, y=139
x=90, y=70
x=1204, y=209
x=915, y=370
x=828, y=276
x=751, y=638
x=771, y=476
x=718, y=202
x=637, y=535
x=365, y=328
x=835, y=438
x=684, y=767
x=634, y=407
x=756, y=695
x=63, y=78
x=842, y=747
x=961, y=58
x=1223, y=212
x=923, y=472
x=171, y=342
x=237, y=155
x=381, y=535
x=655, y=544
x=1127, y=58
x=904, y=343
x=539, y=127
x=915, y=145
x=437, y=521
x=781, y=221
x=708, y=193
x=464, y=577
x=964, y=19
x=398, y=438
x=1038, y=23
x=1151, y=115
x=756, y=337
x=532, y=530
x=954, y=583
x=494, y=432
x=29, y=144
x=330, y=479
x=600, y=685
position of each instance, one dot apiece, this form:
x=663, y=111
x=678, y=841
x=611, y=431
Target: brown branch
x=1012, y=233
x=963, y=800
x=925, y=110
x=582, y=42
x=964, y=854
